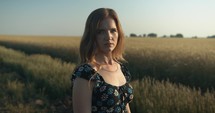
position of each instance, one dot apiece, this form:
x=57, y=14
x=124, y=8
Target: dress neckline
x=112, y=84
x=107, y=82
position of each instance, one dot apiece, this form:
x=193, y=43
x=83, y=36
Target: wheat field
x=168, y=75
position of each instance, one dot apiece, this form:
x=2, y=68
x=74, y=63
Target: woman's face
x=107, y=36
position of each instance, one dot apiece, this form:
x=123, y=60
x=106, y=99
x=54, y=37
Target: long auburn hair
x=88, y=47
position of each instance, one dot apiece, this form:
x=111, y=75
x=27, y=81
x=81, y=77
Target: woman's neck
x=104, y=59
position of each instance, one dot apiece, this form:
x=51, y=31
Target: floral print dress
x=106, y=98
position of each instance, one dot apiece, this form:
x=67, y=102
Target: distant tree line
x=179, y=35
x=213, y=36
x=154, y=35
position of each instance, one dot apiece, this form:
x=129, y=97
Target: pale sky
x=68, y=17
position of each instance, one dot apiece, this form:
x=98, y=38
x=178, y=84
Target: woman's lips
x=109, y=44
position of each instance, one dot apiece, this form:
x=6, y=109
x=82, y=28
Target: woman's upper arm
x=128, y=108
x=81, y=96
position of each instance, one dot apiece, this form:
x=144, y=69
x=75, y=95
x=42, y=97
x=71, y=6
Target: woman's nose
x=108, y=35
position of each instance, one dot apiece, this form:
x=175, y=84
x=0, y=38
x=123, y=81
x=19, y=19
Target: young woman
x=101, y=81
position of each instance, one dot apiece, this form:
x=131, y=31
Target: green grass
x=152, y=96
x=26, y=79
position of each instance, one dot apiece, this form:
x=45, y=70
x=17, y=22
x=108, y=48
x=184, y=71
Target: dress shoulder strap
x=126, y=72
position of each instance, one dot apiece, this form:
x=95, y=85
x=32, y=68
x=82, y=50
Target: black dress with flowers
x=106, y=98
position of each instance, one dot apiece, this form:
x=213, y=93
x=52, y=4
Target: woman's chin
x=108, y=50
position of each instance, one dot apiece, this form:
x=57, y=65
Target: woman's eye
x=113, y=30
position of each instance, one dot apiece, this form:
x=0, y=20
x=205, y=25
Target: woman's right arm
x=81, y=96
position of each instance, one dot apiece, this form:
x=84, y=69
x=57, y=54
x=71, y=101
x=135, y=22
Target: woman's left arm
x=128, y=109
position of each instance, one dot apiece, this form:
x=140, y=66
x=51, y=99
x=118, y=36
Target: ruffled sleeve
x=84, y=71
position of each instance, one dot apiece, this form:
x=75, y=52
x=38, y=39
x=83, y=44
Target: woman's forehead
x=107, y=23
